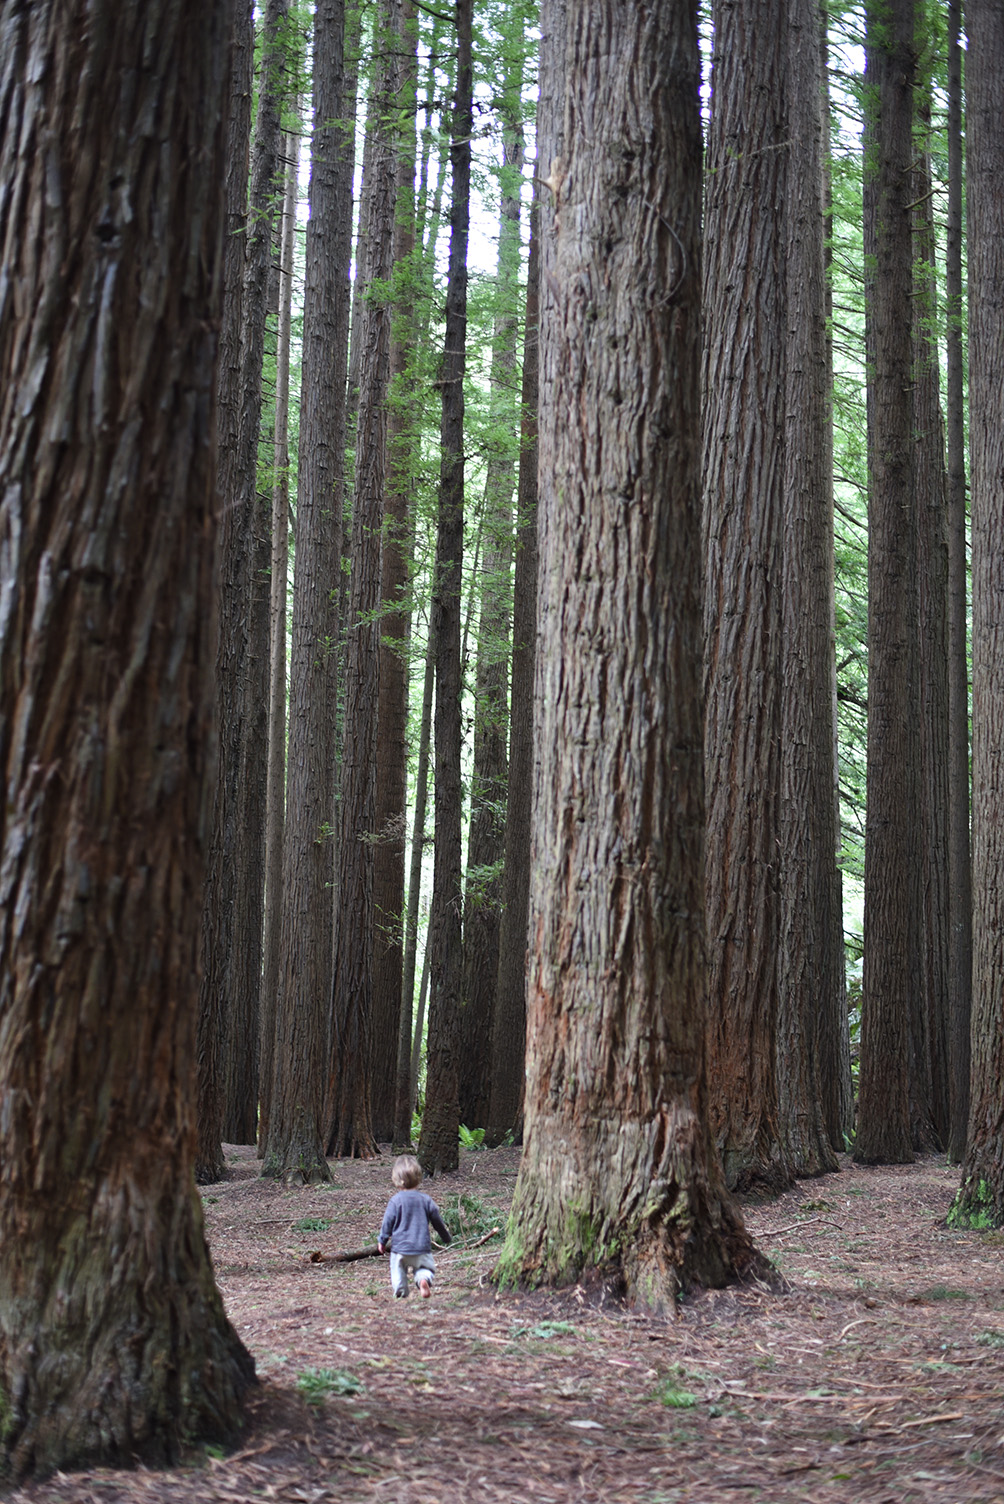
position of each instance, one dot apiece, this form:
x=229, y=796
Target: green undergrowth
x=469, y=1216
x=315, y=1384
x=974, y=1208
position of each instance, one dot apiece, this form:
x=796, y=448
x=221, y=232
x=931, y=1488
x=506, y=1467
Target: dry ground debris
x=877, y=1376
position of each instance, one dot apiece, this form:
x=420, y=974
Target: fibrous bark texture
x=276, y=781
x=438, y=1148
x=619, y=1180
x=297, y=1132
x=395, y=627
x=350, y=1128
x=253, y=505
x=891, y=968
x=981, y=1198
x=113, y=1340
x=811, y=1019
x=489, y=784
x=931, y=1075
x=743, y=480
x=505, y=1105
x=221, y=870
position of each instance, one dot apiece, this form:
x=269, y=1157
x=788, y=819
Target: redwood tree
x=294, y=1148
x=438, y=1148
x=350, y=1126
x=743, y=491
x=980, y=1201
x=891, y=970
x=619, y=1179
x=113, y=1340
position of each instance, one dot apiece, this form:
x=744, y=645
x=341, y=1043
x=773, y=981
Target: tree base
x=976, y=1206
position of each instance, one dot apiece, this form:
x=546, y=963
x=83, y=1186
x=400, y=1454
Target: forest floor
x=877, y=1376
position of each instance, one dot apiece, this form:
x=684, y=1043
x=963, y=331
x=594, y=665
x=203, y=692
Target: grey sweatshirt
x=406, y=1222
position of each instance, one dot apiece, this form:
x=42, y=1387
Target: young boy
x=406, y=1227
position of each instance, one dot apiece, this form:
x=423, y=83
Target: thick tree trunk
x=619, y=1181
x=980, y=1201
x=248, y=855
x=350, y=1122
x=932, y=632
x=438, y=1148
x=811, y=992
x=891, y=972
x=490, y=780
x=297, y=1129
x=743, y=480
x=395, y=626
x=505, y=1110
x=114, y=1344
x=276, y=802
x=960, y=878
x=217, y=909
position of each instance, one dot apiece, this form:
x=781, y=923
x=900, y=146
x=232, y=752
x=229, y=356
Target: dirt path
x=879, y=1376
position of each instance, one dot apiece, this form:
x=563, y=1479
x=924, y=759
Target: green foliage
x=315, y=1384
x=974, y=1208
x=313, y=1224
x=471, y=1138
x=468, y=1216
x=675, y=1399
x=544, y=1331
x=990, y=1338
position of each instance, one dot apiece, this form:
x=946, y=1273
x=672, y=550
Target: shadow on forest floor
x=878, y=1376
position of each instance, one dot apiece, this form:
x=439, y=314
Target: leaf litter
x=876, y=1376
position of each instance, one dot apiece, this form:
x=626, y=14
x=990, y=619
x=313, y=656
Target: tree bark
x=297, y=1128
x=438, y=1147
x=505, y=1110
x=980, y=1201
x=619, y=1182
x=743, y=493
x=350, y=1120
x=932, y=1082
x=276, y=801
x=217, y=910
x=960, y=870
x=810, y=989
x=395, y=624
x=114, y=1345
x=490, y=780
x=891, y=971
x=248, y=854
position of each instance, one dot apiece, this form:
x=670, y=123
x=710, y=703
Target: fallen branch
x=317, y=1257
x=929, y=1420
x=805, y=1222
x=372, y=1252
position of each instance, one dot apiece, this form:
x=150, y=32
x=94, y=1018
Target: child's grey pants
x=418, y=1263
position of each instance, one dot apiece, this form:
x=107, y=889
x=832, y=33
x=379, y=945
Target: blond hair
x=406, y=1172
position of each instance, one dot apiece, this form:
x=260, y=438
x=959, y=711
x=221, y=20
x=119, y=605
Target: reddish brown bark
x=217, y=910
x=113, y=1340
x=505, y=1110
x=743, y=492
x=892, y=934
x=619, y=1180
x=350, y=1130
x=297, y=1127
x=811, y=1017
x=438, y=1148
x=981, y=1197
x=395, y=626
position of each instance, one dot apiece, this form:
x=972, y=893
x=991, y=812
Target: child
x=406, y=1227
